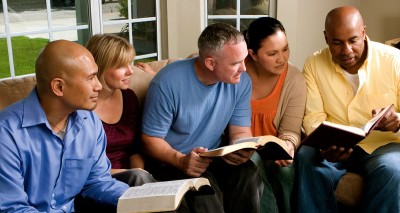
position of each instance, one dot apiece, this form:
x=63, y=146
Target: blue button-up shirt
x=41, y=172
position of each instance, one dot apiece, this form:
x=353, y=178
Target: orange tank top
x=264, y=110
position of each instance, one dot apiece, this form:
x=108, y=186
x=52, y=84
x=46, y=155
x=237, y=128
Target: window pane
x=4, y=65
x=221, y=7
x=143, y=8
x=2, y=26
x=244, y=24
x=25, y=18
x=145, y=60
x=114, y=10
x=25, y=51
x=227, y=21
x=79, y=36
x=70, y=16
x=118, y=29
x=254, y=7
x=62, y=3
x=145, y=37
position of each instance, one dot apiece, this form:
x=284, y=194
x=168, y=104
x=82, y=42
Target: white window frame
x=238, y=16
x=95, y=26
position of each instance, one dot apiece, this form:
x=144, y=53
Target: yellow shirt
x=330, y=96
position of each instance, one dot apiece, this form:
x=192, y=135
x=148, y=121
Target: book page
x=155, y=189
x=223, y=150
x=353, y=129
x=244, y=140
x=371, y=124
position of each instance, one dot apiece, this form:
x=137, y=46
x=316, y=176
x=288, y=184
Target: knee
x=142, y=175
x=388, y=166
x=137, y=177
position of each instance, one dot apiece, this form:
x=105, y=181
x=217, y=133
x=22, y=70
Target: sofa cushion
x=140, y=80
x=15, y=89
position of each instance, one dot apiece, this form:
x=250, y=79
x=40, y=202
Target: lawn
x=25, y=51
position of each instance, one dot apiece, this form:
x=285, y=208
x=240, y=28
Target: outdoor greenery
x=25, y=51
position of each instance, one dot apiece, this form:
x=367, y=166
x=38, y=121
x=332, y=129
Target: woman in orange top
x=278, y=103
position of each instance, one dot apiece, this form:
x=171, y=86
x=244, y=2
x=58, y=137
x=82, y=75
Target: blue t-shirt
x=189, y=114
x=41, y=172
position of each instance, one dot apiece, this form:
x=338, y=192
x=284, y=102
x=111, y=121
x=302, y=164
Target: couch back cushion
x=14, y=89
x=140, y=80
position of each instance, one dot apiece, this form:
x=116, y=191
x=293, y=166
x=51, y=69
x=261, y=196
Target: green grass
x=25, y=51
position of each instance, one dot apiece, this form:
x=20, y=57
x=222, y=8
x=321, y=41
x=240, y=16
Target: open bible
x=270, y=147
x=161, y=196
x=329, y=134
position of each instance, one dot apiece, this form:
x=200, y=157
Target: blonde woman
x=118, y=106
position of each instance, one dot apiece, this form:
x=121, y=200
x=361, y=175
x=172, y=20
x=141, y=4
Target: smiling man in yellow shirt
x=348, y=83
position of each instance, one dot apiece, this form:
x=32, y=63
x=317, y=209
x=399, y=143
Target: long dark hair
x=260, y=29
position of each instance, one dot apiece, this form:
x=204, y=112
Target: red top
x=122, y=137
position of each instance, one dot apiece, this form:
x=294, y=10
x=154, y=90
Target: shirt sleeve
x=242, y=113
x=314, y=113
x=291, y=121
x=158, y=111
x=12, y=195
x=100, y=185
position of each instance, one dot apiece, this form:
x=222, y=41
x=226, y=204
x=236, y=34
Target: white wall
x=184, y=18
x=382, y=19
x=303, y=20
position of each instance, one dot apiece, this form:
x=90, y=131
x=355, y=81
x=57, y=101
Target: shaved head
x=346, y=37
x=343, y=16
x=59, y=59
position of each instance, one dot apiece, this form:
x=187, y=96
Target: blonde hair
x=110, y=51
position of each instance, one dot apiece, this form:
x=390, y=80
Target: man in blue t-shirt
x=188, y=106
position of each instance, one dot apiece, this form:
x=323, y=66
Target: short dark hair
x=215, y=36
x=260, y=29
x=397, y=45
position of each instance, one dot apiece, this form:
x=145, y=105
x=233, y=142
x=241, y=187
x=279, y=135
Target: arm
x=13, y=197
x=191, y=164
x=99, y=185
x=241, y=156
x=314, y=111
x=136, y=161
x=315, y=114
x=292, y=113
x=146, y=68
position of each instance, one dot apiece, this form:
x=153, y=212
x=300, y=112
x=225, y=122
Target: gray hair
x=215, y=36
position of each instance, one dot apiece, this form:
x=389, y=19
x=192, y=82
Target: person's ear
x=326, y=38
x=210, y=63
x=363, y=32
x=253, y=55
x=57, y=86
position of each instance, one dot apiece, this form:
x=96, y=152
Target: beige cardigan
x=291, y=106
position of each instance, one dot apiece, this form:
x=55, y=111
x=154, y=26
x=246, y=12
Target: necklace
x=58, y=130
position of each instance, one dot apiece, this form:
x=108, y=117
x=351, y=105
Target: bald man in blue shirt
x=52, y=145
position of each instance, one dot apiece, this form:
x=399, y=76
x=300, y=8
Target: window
x=26, y=26
x=137, y=21
x=239, y=13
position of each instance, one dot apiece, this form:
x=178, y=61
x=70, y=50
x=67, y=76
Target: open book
x=271, y=148
x=329, y=134
x=160, y=196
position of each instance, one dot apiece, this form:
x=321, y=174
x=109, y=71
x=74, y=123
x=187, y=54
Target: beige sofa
x=11, y=90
